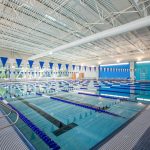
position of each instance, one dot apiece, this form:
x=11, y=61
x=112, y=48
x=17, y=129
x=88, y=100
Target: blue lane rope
x=51, y=144
x=64, y=90
x=85, y=106
x=39, y=94
x=96, y=95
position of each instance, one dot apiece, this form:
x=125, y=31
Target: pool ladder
x=7, y=115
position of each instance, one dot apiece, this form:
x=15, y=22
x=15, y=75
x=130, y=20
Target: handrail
x=6, y=115
x=11, y=110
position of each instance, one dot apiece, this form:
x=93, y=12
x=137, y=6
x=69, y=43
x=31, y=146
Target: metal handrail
x=11, y=111
x=6, y=115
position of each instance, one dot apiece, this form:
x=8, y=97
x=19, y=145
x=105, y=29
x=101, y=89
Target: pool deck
x=135, y=136
x=9, y=139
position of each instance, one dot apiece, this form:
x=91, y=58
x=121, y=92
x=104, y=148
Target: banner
x=73, y=67
x=51, y=65
x=59, y=66
x=4, y=60
x=18, y=61
x=90, y=68
x=79, y=68
x=67, y=66
x=30, y=63
x=85, y=68
x=41, y=64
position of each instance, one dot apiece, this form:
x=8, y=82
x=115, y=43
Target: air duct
x=131, y=26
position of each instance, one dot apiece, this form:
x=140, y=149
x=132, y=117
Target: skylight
x=51, y=18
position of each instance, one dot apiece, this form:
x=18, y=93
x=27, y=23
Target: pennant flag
x=73, y=67
x=85, y=68
x=41, y=64
x=30, y=63
x=79, y=68
x=67, y=66
x=51, y=65
x=90, y=68
x=18, y=61
x=4, y=60
x=59, y=66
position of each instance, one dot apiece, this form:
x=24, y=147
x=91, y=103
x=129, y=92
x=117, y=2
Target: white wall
x=91, y=74
x=87, y=74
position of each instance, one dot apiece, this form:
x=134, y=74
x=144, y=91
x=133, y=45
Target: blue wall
x=142, y=71
x=121, y=71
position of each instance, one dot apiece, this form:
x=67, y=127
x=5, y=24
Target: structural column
x=132, y=68
x=12, y=68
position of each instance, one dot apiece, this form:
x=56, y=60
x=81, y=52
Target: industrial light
x=142, y=62
x=90, y=44
x=96, y=47
x=118, y=61
x=99, y=62
x=54, y=20
x=139, y=59
x=116, y=64
x=50, y=53
x=78, y=35
x=49, y=17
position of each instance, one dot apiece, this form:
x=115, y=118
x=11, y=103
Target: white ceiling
x=35, y=26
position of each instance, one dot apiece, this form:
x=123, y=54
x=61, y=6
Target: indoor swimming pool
x=68, y=118
x=75, y=75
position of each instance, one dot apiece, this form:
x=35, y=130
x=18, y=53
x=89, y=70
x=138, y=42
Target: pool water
x=91, y=126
